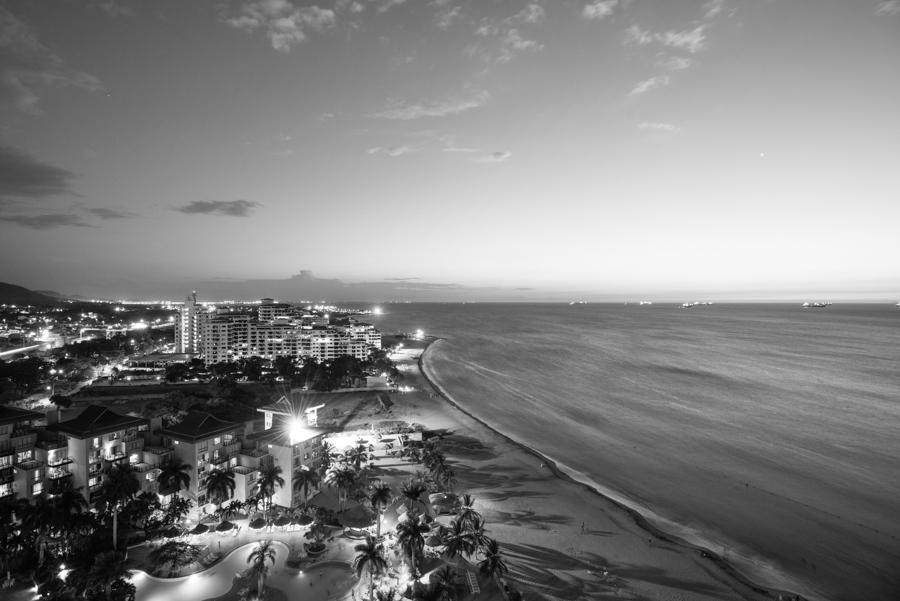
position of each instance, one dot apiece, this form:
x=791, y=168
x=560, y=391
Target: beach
x=562, y=540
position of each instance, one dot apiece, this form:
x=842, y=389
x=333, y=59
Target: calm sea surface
x=767, y=433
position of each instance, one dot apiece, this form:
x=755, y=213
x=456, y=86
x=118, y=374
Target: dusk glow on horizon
x=450, y=150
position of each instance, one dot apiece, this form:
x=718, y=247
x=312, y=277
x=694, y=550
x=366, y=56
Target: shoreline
x=636, y=517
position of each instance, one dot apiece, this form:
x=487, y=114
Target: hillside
x=11, y=294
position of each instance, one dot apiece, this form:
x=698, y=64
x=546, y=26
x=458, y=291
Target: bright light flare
x=297, y=429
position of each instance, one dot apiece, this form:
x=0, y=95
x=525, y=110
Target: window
x=203, y=445
x=217, y=440
x=38, y=488
x=96, y=442
x=37, y=475
x=23, y=456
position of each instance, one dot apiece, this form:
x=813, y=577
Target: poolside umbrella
x=303, y=520
x=433, y=541
x=257, y=523
x=282, y=521
x=224, y=526
x=199, y=529
x=173, y=532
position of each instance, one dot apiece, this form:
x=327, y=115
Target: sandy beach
x=562, y=540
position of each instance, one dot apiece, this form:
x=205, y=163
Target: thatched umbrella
x=303, y=520
x=173, y=532
x=199, y=529
x=224, y=526
x=282, y=521
x=257, y=523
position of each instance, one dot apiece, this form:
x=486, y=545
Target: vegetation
x=370, y=558
x=258, y=559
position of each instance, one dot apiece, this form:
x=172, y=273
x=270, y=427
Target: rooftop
x=11, y=415
x=198, y=425
x=96, y=420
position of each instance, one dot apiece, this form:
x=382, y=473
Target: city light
x=297, y=429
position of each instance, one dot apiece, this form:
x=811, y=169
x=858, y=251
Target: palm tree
x=466, y=513
x=412, y=490
x=303, y=479
x=269, y=478
x=358, y=454
x=344, y=478
x=493, y=565
x=380, y=498
x=176, y=553
x=120, y=487
x=410, y=539
x=370, y=557
x=386, y=595
x=174, y=474
x=108, y=567
x=258, y=558
x=458, y=540
x=220, y=485
x=444, y=580
x=327, y=453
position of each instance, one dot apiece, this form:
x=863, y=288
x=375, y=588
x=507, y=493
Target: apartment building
x=206, y=442
x=95, y=439
x=17, y=460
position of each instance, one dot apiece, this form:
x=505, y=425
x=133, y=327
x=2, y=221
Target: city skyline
x=452, y=150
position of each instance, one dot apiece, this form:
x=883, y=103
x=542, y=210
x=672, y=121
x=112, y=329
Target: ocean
x=769, y=434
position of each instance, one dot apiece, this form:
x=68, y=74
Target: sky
x=495, y=148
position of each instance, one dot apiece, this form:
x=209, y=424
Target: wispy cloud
x=652, y=83
x=386, y=5
x=113, y=8
x=713, y=8
x=674, y=63
x=533, y=13
x=658, y=126
x=502, y=39
x=599, y=9
x=500, y=156
x=28, y=66
x=391, y=151
x=690, y=40
x=447, y=16
x=46, y=221
x=230, y=208
x=106, y=213
x=888, y=7
x=284, y=24
x=406, y=111
x=24, y=176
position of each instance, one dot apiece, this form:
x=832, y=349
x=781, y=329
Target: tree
x=220, y=485
x=119, y=487
x=177, y=554
x=493, y=565
x=62, y=401
x=370, y=557
x=176, y=372
x=444, y=579
x=269, y=478
x=380, y=498
x=343, y=477
x=466, y=514
x=284, y=366
x=410, y=539
x=174, y=475
x=412, y=490
x=458, y=540
x=359, y=454
x=303, y=479
x=107, y=568
x=261, y=554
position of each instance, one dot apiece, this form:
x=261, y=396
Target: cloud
x=599, y=9
x=105, y=213
x=392, y=151
x=460, y=149
x=230, y=208
x=113, y=8
x=445, y=17
x=386, y=5
x=404, y=111
x=888, y=7
x=712, y=8
x=500, y=156
x=675, y=63
x=656, y=81
x=28, y=66
x=533, y=13
x=284, y=24
x=692, y=41
x=24, y=176
x=46, y=221
x=658, y=126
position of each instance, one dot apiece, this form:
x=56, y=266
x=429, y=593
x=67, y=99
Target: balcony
x=29, y=464
x=7, y=475
x=58, y=473
x=141, y=467
x=60, y=461
x=133, y=445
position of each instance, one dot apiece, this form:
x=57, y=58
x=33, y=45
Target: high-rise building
x=188, y=326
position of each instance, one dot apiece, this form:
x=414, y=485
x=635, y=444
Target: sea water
x=769, y=434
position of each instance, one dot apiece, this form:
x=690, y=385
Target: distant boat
x=581, y=302
x=651, y=302
x=815, y=305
